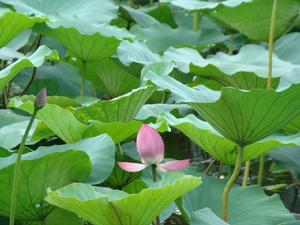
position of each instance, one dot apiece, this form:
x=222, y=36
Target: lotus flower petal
x=150, y=145
x=131, y=167
x=173, y=165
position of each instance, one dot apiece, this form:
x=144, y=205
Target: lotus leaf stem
x=196, y=21
x=269, y=84
x=230, y=182
x=246, y=173
x=17, y=168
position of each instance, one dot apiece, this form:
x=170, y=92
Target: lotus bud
x=40, y=100
x=150, y=145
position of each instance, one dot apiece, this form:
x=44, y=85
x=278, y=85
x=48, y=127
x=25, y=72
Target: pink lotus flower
x=150, y=147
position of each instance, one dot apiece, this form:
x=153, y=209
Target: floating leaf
x=131, y=209
x=35, y=60
x=247, y=206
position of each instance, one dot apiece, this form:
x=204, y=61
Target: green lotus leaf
x=7, y=117
x=63, y=123
x=288, y=157
x=197, y=5
x=35, y=60
x=62, y=79
x=156, y=110
x=219, y=147
x=110, y=76
x=73, y=12
x=253, y=19
x=138, y=52
x=235, y=71
x=115, y=207
x=286, y=48
x=121, y=109
x=243, y=117
x=248, y=116
x=247, y=206
x=205, y=217
x=93, y=45
x=13, y=23
x=11, y=135
x=10, y=50
x=161, y=36
x=39, y=170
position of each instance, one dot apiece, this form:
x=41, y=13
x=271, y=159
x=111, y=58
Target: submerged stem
x=154, y=178
x=230, y=183
x=269, y=84
x=246, y=173
x=14, y=193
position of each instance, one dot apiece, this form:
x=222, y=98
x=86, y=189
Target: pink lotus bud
x=40, y=100
x=150, y=145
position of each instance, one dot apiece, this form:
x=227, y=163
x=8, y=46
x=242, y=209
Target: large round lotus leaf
x=40, y=170
x=89, y=43
x=248, y=116
x=113, y=207
x=73, y=12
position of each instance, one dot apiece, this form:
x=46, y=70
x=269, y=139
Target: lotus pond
x=149, y=112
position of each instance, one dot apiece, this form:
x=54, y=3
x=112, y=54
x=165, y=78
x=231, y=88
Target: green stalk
x=5, y=98
x=16, y=175
x=154, y=178
x=230, y=45
x=230, y=182
x=196, y=21
x=261, y=170
x=246, y=173
x=82, y=80
x=269, y=84
x=209, y=166
x=120, y=149
x=44, y=221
